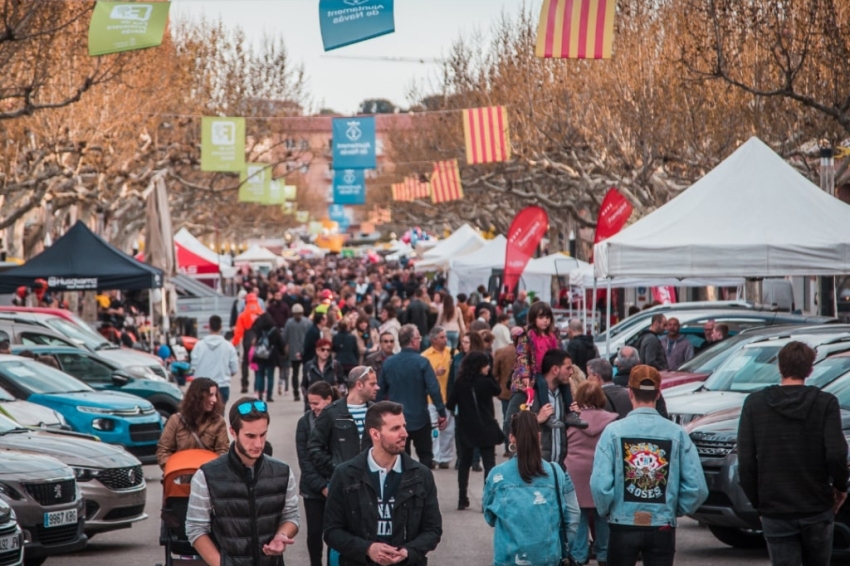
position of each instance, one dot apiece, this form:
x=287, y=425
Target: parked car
x=30, y=414
x=47, y=502
x=74, y=329
x=111, y=480
x=105, y=375
x=116, y=418
x=11, y=537
x=752, y=368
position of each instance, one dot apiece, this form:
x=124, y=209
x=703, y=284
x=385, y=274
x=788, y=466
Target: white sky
x=424, y=29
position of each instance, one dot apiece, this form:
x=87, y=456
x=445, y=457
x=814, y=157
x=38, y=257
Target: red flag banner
x=487, y=136
x=526, y=231
x=445, y=182
x=664, y=295
x=613, y=215
x=576, y=29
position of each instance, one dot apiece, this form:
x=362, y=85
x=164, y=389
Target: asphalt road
x=467, y=539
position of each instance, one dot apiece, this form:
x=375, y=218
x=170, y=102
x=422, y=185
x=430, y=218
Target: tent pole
x=608, y=320
x=584, y=309
x=834, y=296
x=150, y=322
x=593, y=309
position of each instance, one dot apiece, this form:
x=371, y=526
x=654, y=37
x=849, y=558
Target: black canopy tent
x=79, y=261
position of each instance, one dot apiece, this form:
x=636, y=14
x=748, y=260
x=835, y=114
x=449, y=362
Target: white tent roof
x=463, y=241
x=752, y=216
x=583, y=277
x=258, y=254
x=194, y=245
x=559, y=264
x=491, y=255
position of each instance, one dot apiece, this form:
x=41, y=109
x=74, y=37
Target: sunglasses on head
x=248, y=406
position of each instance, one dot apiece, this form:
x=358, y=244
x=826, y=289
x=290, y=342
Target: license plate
x=10, y=543
x=58, y=518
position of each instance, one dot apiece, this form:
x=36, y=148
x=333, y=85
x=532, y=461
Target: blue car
x=116, y=418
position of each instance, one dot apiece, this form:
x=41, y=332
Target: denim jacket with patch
x=646, y=472
x=526, y=515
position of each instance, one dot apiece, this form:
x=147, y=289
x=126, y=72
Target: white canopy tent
x=752, y=216
x=259, y=254
x=464, y=240
x=556, y=265
x=584, y=277
x=185, y=239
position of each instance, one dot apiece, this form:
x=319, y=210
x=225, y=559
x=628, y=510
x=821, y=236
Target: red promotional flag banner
x=613, y=215
x=445, y=182
x=526, y=231
x=576, y=29
x=664, y=295
x=487, y=136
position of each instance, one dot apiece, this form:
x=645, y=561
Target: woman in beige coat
x=198, y=424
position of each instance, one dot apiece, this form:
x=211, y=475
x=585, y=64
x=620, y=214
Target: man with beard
x=382, y=505
x=243, y=507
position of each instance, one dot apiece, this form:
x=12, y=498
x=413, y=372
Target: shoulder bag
x=566, y=559
x=192, y=432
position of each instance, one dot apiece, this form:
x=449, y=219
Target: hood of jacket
x=792, y=401
x=213, y=341
x=583, y=339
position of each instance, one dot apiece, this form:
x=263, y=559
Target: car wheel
x=34, y=561
x=738, y=538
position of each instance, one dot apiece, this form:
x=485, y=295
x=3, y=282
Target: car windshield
x=708, y=360
x=8, y=425
x=5, y=395
x=38, y=378
x=620, y=327
x=841, y=389
x=88, y=337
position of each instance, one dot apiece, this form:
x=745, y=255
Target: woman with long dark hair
x=199, y=423
x=527, y=500
x=476, y=422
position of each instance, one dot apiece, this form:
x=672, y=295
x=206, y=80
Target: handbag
x=566, y=559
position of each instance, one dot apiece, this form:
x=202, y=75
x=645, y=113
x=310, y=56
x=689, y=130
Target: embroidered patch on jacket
x=539, y=499
x=645, y=470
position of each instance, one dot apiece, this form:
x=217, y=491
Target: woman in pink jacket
x=579, y=462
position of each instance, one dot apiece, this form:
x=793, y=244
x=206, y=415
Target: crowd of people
x=389, y=365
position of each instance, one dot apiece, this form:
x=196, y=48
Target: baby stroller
x=176, y=486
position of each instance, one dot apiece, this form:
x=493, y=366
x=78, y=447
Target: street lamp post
x=828, y=298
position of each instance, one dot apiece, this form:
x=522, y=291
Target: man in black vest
x=243, y=508
x=382, y=505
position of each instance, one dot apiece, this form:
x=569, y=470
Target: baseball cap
x=645, y=378
x=326, y=294
x=297, y=308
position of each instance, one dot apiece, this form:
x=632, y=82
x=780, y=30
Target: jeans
x=656, y=544
x=423, y=442
x=225, y=394
x=296, y=383
x=246, y=346
x=800, y=541
x=260, y=376
x=283, y=380
x=579, y=546
x=488, y=456
x=314, y=509
x=453, y=338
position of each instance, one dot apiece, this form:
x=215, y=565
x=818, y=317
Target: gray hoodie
x=215, y=358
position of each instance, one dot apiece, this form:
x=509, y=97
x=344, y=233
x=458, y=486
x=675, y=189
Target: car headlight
x=10, y=492
x=95, y=410
x=105, y=425
x=85, y=474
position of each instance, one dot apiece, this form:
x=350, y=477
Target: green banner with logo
x=290, y=192
x=275, y=194
x=288, y=208
x=126, y=26
x=255, y=182
x=302, y=216
x=222, y=144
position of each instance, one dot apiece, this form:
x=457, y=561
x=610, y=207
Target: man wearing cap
x=646, y=473
x=294, y=334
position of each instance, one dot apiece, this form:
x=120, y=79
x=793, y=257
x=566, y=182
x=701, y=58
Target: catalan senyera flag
x=445, y=182
x=576, y=29
x=400, y=192
x=487, y=135
x=416, y=188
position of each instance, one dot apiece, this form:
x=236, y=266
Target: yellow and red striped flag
x=487, y=135
x=417, y=188
x=576, y=29
x=397, y=191
x=445, y=182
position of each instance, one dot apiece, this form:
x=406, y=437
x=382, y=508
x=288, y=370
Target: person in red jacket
x=242, y=332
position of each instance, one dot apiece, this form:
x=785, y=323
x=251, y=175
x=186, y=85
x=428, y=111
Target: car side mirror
x=120, y=379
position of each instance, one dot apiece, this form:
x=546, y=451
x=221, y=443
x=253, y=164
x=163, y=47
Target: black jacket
x=351, y=513
x=265, y=325
x=417, y=314
x=313, y=335
x=651, y=351
x=344, y=345
x=333, y=373
x=541, y=397
x=335, y=439
x=791, y=451
x=617, y=401
x=581, y=350
x=237, y=494
x=312, y=482
x=476, y=422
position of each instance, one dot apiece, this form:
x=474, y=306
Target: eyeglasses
x=390, y=341
x=323, y=349
x=248, y=406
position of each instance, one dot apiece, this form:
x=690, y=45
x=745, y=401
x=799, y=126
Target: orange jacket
x=246, y=318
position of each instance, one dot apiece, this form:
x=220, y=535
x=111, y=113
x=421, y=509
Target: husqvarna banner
x=222, y=144
x=526, y=231
x=125, y=26
x=350, y=186
x=354, y=143
x=344, y=22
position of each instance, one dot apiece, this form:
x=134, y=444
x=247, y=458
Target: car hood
x=126, y=357
x=104, y=399
x=670, y=379
x=678, y=390
x=33, y=466
x=704, y=402
x=68, y=449
x=724, y=424
x=29, y=414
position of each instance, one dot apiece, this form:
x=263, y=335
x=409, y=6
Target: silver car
x=110, y=479
x=47, y=502
x=11, y=537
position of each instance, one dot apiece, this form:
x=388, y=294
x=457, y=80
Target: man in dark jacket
x=376, y=359
x=409, y=379
x=243, y=506
x=417, y=312
x=616, y=396
x=339, y=434
x=382, y=506
x=579, y=345
x=649, y=345
x=792, y=459
x=322, y=367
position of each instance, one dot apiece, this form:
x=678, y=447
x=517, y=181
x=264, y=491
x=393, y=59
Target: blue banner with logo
x=350, y=186
x=337, y=213
x=354, y=143
x=344, y=22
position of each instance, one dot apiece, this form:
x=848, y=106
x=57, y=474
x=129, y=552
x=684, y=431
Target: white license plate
x=10, y=543
x=58, y=518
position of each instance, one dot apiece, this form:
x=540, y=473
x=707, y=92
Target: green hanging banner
x=255, y=182
x=288, y=208
x=126, y=26
x=290, y=192
x=222, y=144
x=275, y=195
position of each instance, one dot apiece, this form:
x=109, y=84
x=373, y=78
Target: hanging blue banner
x=337, y=213
x=354, y=143
x=350, y=186
x=344, y=22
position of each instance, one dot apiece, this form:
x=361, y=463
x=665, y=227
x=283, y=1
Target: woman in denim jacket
x=522, y=503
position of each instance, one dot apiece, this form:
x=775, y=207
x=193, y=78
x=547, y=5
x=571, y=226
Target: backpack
x=263, y=349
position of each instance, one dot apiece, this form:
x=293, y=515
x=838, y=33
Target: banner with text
x=344, y=22
x=255, y=182
x=275, y=194
x=126, y=26
x=338, y=214
x=222, y=144
x=354, y=143
x=350, y=186
x=526, y=231
x=302, y=216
